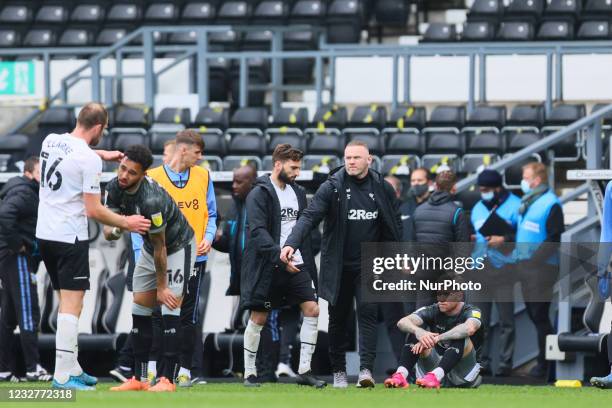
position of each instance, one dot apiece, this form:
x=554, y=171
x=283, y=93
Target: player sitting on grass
x=444, y=354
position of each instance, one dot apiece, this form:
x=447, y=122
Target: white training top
x=68, y=168
x=289, y=211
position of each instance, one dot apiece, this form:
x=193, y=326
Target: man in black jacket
x=439, y=222
x=358, y=207
x=18, y=213
x=273, y=207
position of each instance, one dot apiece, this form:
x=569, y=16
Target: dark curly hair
x=140, y=154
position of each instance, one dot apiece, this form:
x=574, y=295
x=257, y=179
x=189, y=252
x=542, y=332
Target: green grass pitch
x=234, y=395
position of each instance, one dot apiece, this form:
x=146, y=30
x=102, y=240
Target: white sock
x=308, y=340
x=76, y=368
x=439, y=373
x=403, y=371
x=252, y=334
x=152, y=368
x=65, y=346
x=185, y=371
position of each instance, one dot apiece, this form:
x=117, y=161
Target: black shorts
x=67, y=264
x=288, y=289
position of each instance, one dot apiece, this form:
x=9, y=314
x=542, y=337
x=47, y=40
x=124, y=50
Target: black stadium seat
x=404, y=142
x=523, y=126
x=212, y=118
x=179, y=116
x=243, y=149
x=444, y=142
x=594, y=30
x=488, y=116
x=447, y=116
x=214, y=143
x=372, y=116
x=158, y=140
x=483, y=130
x=326, y=144
x=524, y=10
x=199, y=12
x=234, y=12
x=161, y=13
x=13, y=148
x=257, y=41
x=125, y=12
x=40, y=37
x=132, y=117
x=110, y=35
x=271, y=13
x=371, y=137
x=52, y=14
x=344, y=21
x=527, y=115
x=408, y=116
x=122, y=141
x=563, y=10
x=490, y=11
x=559, y=117
x=10, y=38
x=440, y=32
x=52, y=120
x=297, y=141
x=290, y=117
x=478, y=31
x=259, y=74
x=250, y=118
x=298, y=70
x=596, y=10
x=76, y=37
x=392, y=13
x=516, y=31
x=332, y=116
x=16, y=14
x=308, y=12
x=556, y=31
x=88, y=13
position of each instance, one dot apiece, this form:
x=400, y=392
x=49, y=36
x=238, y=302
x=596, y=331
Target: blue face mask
x=525, y=186
x=488, y=196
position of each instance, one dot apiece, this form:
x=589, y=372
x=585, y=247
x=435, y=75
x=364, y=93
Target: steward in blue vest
x=540, y=221
x=494, y=198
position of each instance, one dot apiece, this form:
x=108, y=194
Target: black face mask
x=419, y=189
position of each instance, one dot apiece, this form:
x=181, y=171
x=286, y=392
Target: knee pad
x=140, y=310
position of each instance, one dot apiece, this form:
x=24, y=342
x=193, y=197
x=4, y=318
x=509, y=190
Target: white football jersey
x=68, y=168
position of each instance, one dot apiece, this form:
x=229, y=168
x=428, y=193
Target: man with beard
x=161, y=273
x=69, y=194
x=273, y=207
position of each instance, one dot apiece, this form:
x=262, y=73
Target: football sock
x=142, y=337
x=308, y=340
x=65, y=346
x=439, y=373
x=252, y=335
x=171, y=346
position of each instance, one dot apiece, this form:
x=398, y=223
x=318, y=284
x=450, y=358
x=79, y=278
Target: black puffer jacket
x=18, y=214
x=261, y=259
x=440, y=220
x=329, y=204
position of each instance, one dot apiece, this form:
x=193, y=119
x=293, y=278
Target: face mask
x=420, y=189
x=488, y=196
x=525, y=186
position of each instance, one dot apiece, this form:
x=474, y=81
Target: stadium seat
x=474, y=163
x=125, y=12
x=594, y=30
x=327, y=144
x=516, y=31
x=225, y=40
x=13, y=149
x=373, y=116
x=556, y=31
x=234, y=12
x=110, y=35
x=440, y=32
x=483, y=130
x=344, y=21
x=257, y=41
x=527, y=115
x=308, y=12
x=333, y=116
x=52, y=120
x=393, y=13
x=478, y=31
x=523, y=126
x=408, y=116
x=161, y=13
x=16, y=14
x=250, y=118
x=404, y=141
x=259, y=74
x=370, y=136
x=10, y=38
x=320, y=163
x=559, y=117
x=489, y=11
x=243, y=149
x=93, y=13
x=179, y=116
x=271, y=13
x=121, y=141
x=218, y=79
x=447, y=116
x=295, y=140
x=563, y=10
x=444, y=141
x=212, y=118
x=485, y=115
x=438, y=162
x=298, y=70
x=132, y=117
x=40, y=37
x=52, y=14
x=596, y=10
x=290, y=117
x=514, y=174
x=76, y=37
x=199, y=12
x=399, y=165
x=214, y=143
x=158, y=139
x=524, y=11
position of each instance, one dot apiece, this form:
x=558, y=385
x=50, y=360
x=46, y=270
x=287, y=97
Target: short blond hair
x=539, y=170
